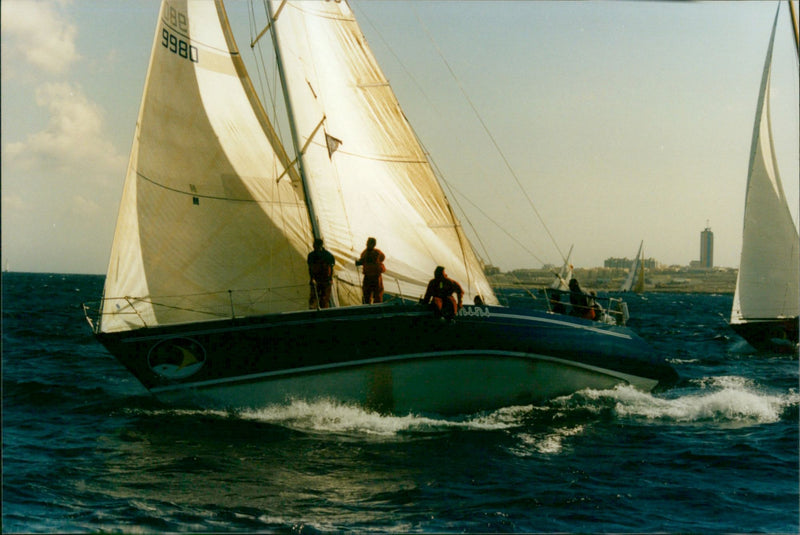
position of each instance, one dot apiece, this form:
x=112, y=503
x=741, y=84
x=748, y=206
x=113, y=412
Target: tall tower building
x=707, y=248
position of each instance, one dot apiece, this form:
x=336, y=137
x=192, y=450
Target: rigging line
x=429, y=159
x=488, y=132
x=466, y=217
x=364, y=16
x=487, y=216
x=456, y=194
x=266, y=87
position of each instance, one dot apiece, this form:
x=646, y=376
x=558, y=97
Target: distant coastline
x=667, y=280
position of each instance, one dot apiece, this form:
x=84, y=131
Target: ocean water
x=86, y=449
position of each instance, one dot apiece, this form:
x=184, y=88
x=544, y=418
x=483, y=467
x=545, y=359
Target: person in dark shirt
x=579, y=301
x=439, y=294
x=371, y=260
x=555, y=302
x=320, y=273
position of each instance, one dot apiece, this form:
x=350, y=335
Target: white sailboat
x=564, y=275
x=634, y=282
x=765, y=303
x=206, y=296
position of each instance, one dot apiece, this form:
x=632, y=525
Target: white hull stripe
x=415, y=356
x=564, y=324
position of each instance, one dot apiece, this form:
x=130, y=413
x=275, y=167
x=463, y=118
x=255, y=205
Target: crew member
x=440, y=295
x=579, y=301
x=320, y=273
x=371, y=260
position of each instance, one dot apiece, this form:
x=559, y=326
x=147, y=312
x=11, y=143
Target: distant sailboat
x=765, y=304
x=207, y=292
x=563, y=276
x=635, y=279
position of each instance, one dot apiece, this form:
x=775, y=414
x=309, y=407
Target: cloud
x=73, y=142
x=39, y=32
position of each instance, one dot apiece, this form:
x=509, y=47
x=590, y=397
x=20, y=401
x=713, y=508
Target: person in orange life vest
x=320, y=273
x=440, y=294
x=372, y=261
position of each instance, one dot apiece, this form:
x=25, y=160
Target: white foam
x=551, y=442
x=728, y=400
x=332, y=417
x=724, y=400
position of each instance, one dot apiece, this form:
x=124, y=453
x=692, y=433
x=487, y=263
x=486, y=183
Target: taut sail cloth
x=204, y=224
x=210, y=226
x=378, y=182
x=769, y=269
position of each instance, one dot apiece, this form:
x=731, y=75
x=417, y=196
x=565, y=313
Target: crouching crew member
x=440, y=295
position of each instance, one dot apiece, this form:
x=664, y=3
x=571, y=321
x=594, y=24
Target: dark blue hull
x=391, y=357
x=770, y=335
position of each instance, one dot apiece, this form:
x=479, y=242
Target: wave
x=327, y=416
x=724, y=400
x=717, y=401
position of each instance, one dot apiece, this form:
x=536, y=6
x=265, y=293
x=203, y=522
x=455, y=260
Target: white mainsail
x=635, y=279
x=769, y=268
x=376, y=179
x=205, y=229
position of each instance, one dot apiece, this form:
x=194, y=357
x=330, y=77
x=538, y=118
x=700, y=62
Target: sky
x=611, y=122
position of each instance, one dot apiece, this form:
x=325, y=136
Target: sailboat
x=206, y=296
x=634, y=282
x=563, y=277
x=765, y=303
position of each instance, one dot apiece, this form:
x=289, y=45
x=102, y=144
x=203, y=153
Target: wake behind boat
x=206, y=296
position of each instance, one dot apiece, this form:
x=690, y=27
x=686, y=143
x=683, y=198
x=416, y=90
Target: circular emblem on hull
x=176, y=358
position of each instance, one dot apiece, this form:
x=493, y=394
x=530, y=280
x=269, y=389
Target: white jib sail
x=366, y=172
x=205, y=229
x=769, y=269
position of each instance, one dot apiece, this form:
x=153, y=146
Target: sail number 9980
x=178, y=46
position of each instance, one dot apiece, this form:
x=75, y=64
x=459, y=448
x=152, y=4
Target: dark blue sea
x=86, y=449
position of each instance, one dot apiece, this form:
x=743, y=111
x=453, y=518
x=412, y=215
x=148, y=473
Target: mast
x=292, y=127
x=795, y=34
